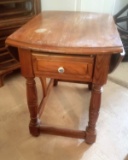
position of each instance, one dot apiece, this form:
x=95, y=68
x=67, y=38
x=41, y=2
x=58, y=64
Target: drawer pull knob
x=61, y=70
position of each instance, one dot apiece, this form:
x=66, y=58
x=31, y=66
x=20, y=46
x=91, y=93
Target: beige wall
x=59, y=4
x=103, y=6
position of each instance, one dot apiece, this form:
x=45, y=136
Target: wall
x=59, y=4
x=103, y=6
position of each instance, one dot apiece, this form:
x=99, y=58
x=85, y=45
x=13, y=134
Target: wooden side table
x=66, y=46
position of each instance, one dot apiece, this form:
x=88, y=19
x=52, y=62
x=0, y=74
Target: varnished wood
x=37, y=4
x=93, y=113
x=13, y=14
x=26, y=62
x=48, y=65
x=101, y=69
x=63, y=132
x=50, y=33
x=44, y=85
x=55, y=82
x=82, y=44
x=33, y=106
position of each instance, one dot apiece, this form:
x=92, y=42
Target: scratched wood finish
x=82, y=33
x=83, y=43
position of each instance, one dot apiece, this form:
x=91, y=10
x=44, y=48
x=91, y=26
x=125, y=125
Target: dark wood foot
x=34, y=128
x=90, y=86
x=93, y=114
x=90, y=136
x=55, y=82
x=1, y=80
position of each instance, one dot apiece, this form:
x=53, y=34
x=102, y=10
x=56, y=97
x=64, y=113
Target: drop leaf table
x=79, y=47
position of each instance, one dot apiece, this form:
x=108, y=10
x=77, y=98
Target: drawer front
x=63, y=67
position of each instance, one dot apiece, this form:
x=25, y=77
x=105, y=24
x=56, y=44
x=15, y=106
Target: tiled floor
x=67, y=106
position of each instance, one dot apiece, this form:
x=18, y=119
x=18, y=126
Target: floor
x=120, y=75
x=67, y=107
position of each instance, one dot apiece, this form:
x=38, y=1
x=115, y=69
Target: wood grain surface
x=64, y=32
x=75, y=67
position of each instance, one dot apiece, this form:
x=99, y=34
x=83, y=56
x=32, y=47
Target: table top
x=69, y=32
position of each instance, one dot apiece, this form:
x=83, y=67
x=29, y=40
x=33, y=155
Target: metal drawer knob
x=61, y=70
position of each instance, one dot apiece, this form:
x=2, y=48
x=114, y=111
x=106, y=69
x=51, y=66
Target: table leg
x=90, y=86
x=44, y=86
x=93, y=113
x=32, y=105
x=55, y=82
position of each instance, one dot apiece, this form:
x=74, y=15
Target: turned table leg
x=32, y=105
x=93, y=113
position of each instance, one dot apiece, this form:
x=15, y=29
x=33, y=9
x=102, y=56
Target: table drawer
x=63, y=67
